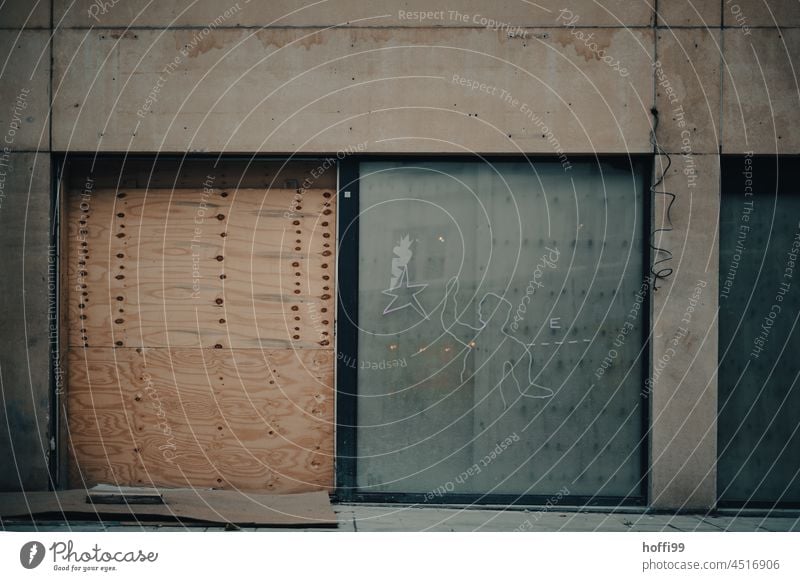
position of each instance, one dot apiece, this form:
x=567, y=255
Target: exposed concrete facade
x=689, y=113
x=278, y=77
x=760, y=91
x=311, y=90
x=25, y=91
x=258, y=13
x=24, y=357
x=684, y=389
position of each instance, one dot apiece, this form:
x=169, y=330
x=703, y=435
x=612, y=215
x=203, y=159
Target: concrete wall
x=24, y=369
x=313, y=90
x=280, y=77
x=24, y=236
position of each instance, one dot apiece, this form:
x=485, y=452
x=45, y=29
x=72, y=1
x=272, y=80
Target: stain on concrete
x=282, y=37
x=587, y=43
x=385, y=35
x=192, y=44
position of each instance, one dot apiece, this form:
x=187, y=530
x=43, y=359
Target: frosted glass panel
x=759, y=335
x=489, y=296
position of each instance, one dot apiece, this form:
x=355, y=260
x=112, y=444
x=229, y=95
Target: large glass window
x=500, y=314
x=759, y=338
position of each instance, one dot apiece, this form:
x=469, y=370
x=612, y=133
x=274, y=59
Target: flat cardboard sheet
x=312, y=509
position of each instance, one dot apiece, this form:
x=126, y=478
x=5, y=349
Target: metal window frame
x=346, y=455
x=784, y=178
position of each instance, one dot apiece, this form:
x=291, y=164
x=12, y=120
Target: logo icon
x=400, y=287
x=31, y=554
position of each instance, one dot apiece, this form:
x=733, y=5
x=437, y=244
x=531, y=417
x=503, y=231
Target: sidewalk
x=388, y=518
x=372, y=518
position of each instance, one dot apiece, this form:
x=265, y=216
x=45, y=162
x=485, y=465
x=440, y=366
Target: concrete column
x=684, y=347
x=24, y=345
x=24, y=238
x=684, y=372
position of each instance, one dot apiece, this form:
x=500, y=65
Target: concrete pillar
x=25, y=221
x=24, y=345
x=684, y=325
x=684, y=372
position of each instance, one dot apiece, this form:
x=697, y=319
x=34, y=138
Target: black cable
x=660, y=254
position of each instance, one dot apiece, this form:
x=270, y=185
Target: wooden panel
x=151, y=269
x=200, y=326
x=228, y=419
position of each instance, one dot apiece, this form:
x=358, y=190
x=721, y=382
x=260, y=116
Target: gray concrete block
x=702, y=13
x=312, y=91
x=688, y=90
x=24, y=90
x=748, y=13
x=382, y=13
x=761, y=104
x=25, y=14
x=24, y=340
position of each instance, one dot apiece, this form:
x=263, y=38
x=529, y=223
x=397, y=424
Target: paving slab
x=396, y=518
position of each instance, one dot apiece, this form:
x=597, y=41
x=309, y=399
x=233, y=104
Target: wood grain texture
x=186, y=268
x=227, y=419
x=200, y=327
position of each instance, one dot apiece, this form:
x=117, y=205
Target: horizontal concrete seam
x=346, y=27
x=395, y=27
x=306, y=155
x=694, y=153
x=41, y=150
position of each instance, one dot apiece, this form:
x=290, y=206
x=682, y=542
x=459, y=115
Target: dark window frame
x=771, y=175
x=346, y=346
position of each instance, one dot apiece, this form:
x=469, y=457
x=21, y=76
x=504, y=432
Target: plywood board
x=200, y=338
x=189, y=268
x=227, y=419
